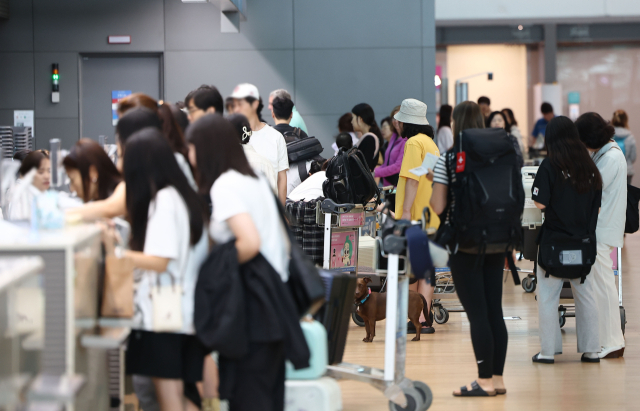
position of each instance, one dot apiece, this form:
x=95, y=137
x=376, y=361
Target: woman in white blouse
x=245, y=209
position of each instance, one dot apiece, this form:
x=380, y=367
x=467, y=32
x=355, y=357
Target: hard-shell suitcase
x=313, y=395
x=316, y=337
x=336, y=312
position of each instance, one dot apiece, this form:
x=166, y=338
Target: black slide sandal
x=541, y=360
x=477, y=391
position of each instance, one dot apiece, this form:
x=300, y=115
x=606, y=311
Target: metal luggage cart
x=445, y=290
x=402, y=393
x=569, y=310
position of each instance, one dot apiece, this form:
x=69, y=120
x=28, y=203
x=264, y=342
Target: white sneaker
x=611, y=352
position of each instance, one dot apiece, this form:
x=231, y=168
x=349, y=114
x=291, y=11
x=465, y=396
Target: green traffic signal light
x=55, y=76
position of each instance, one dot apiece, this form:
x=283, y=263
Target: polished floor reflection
x=445, y=361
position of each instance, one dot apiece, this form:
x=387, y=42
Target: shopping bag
x=117, y=300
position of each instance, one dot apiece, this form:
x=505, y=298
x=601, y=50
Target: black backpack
x=349, y=180
x=301, y=149
x=633, y=218
x=485, y=196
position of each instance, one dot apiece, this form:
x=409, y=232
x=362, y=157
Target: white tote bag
x=167, y=307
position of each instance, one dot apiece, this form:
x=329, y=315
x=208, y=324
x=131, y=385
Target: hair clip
x=245, y=134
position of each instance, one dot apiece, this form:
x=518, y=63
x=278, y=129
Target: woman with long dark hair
x=244, y=210
x=514, y=130
x=597, y=134
x=479, y=286
x=174, y=135
x=498, y=119
x=370, y=143
x=444, y=138
x=168, y=244
x=92, y=174
x=568, y=187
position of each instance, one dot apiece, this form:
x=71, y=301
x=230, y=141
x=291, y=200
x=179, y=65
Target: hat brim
x=405, y=118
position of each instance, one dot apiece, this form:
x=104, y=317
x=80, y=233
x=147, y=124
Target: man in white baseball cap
x=267, y=141
x=414, y=191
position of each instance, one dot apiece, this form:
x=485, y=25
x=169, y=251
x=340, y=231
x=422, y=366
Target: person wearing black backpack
x=282, y=112
x=477, y=272
x=597, y=135
x=568, y=187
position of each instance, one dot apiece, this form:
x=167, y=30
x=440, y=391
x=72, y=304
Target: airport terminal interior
x=329, y=205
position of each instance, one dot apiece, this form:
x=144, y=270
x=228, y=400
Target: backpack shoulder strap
x=302, y=170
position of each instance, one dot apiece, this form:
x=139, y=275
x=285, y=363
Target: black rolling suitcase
x=336, y=312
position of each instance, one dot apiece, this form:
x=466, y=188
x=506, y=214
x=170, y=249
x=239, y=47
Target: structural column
x=550, y=51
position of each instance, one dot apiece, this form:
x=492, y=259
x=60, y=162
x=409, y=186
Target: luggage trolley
x=403, y=394
x=532, y=219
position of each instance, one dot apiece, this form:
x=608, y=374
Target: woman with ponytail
x=625, y=139
x=364, y=121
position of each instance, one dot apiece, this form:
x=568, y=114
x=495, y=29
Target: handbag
x=117, y=296
x=167, y=306
x=305, y=284
x=565, y=256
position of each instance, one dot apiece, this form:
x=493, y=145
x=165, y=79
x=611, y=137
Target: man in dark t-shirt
x=282, y=114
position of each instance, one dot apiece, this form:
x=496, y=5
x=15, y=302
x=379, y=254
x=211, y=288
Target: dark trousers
x=259, y=379
x=480, y=292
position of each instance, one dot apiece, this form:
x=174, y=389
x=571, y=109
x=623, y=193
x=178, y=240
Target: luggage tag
x=167, y=306
x=461, y=161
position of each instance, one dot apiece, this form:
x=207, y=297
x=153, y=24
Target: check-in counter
x=21, y=323
x=69, y=373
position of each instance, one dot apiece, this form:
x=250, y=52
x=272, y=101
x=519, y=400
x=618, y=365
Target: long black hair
x=445, y=116
x=365, y=111
x=569, y=155
x=512, y=117
x=135, y=120
x=87, y=153
x=218, y=150
x=411, y=130
x=150, y=166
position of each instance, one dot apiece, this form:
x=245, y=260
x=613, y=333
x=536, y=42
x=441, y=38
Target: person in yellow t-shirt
x=414, y=192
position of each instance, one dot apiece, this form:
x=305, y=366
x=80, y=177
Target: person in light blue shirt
x=536, y=142
x=296, y=118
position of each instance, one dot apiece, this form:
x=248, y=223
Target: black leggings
x=481, y=296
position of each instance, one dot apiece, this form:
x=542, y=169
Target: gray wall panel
x=16, y=33
x=357, y=23
x=428, y=23
x=324, y=128
x=6, y=117
x=429, y=87
x=66, y=129
x=16, y=80
x=186, y=70
x=83, y=25
x=333, y=81
x=196, y=26
x=68, y=65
